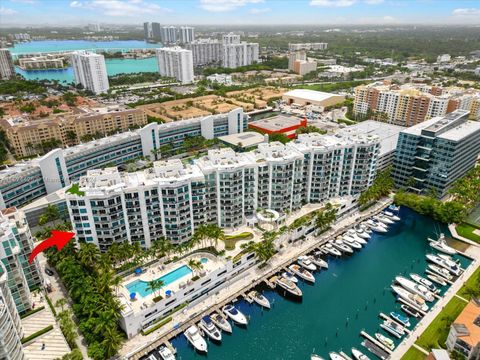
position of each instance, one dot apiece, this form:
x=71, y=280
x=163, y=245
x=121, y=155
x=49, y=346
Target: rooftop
x=468, y=320
x=311, y=95
x=246, y=139
x=276, y=123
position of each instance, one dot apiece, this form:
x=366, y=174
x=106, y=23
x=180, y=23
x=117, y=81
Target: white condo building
x=90, y=70
x=239, y=54
x=187, y=34
x=168, y=34
x=206, y=51
x=231, y=38
x=177, y=63
x=223, y=187
x=7, y=70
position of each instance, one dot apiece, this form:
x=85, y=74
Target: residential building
x=294, y=56
x=24, y=182
x=464, y=334
x=11, y=331
x=303, y=67
x=176, y=62
x=431, y=155
x=444, y=58
x=42, y=62
x=307, y=46
x=206, y=51
x=168, y=35
x=239, y=54
x=187, y=34
x=27, y=136
x=147, y=30
x=231, y=38
x=304, y=97
x=7, y=70
x=156, y=31
x=224, y=79
x=222, y=187
x=90, y=70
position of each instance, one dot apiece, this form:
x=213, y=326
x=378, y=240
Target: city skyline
x=240, y=12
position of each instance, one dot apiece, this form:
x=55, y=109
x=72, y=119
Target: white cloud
x=126, y=8
x=388, y=18
x=7, y=11
x=225, y=5
x=466, y=12
x=76, y=4
x=332, y=3
x=373, y=2
x=256, y=11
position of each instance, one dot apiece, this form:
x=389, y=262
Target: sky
x=239, y=12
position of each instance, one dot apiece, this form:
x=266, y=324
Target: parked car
x=48, y=272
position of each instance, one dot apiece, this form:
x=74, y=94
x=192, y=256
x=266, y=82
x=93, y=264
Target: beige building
x=42, y=62
x=27, y=136
x=303, y=97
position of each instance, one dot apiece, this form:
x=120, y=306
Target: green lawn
x=75, y=190
x=436, y=333
x=471, y=283
x=413, y=354
x=466, y=230
x=230, y=241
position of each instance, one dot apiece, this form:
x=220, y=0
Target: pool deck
x=141, y=345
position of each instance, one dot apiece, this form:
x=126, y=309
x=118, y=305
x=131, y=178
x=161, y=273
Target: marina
x=345, y=282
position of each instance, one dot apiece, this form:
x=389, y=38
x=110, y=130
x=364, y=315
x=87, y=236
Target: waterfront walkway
x=140, y=345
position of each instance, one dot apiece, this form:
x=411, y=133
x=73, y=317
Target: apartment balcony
x=422, y=158
x=419, y=169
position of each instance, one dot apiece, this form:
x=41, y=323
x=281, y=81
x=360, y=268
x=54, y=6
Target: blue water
x=345, y=299
x=114, y=66
x=203, y=260
x=141, y=287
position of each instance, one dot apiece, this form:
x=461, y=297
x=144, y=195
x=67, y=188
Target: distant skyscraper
x=147, y=33
x=176, y=62
x=187, y=34
x=156, y=33
x=90, y=70
x=7, y=70
x=168, y=34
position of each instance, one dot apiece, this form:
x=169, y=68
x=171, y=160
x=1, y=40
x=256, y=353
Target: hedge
x=158, y=326
x=51, y=305
x=37, y=334
x=30, y=312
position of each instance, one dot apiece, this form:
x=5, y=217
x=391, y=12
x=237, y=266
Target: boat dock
x=423, y=313
x=374, y=349
x=376, y=343
x=386, y=317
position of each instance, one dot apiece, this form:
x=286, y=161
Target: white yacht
x=364, y=226
x=375, y=226
x=353, y=234
x=301, y=272
x=351, y=242
x=383, y=219
x=448, y=264
x=335, y=356
x=442, y=246
x=289, y=276
x=317, y=260
x=306, y=262
x=442, y=272
x=386, y=341
x=316, y=357
x=236, y=315
x=391, y=215
x=437, y=279
x=331, y=250
x=415, y=288
x=289, y=286
x=422, y=281
x=260, y=299
x=410, y=311
x=165, y=353
x=209, y=328
x=393, y=328
x=404, y=320
x=362, y=232
x=340, y=245
x=358, y=355
x=193, y=336
x=221, y=323
x=413, y=299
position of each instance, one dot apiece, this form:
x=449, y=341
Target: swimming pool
x=141, y=287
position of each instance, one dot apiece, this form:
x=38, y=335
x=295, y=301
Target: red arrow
x=58, y=239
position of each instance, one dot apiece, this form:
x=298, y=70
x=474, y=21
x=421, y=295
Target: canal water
x=114, y=66
x=345, y=299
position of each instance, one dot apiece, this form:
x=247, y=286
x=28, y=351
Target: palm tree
x=195, y=265
x=154, y=285
x=112, y=341
x=88, y=255
x=214, y=233
x=61, y=303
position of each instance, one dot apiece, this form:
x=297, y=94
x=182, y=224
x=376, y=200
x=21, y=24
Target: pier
x=386, y=317
x=376, y=342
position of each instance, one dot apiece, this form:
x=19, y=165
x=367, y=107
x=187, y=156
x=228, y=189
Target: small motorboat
x=358, y=355
x=302, y=273
x=209, y=328
x=317, y=260
x=383, y=219
x=351, y=242
x=331, y=250
x=340, y=245
x=364, y=226
x=412, y=299
x=415, y=288
x=385, y=341
x=165, y=353
x=335, y=356
x=437, y=279
x=193, y=336
x=446, y=263
x=375, y=226
x=289, y=276
x=391, y=215
x=404, y=320
x=422, y=281
x=394, y=209
x=316, y=357
x=442, y=272
x=289, y=286
x=393, y=328
x=442, y=246
x=260, y=299
x=353, y=234
x=410, y=311
x=236, y=315
x=306, y=262
x=362, y=233
x=221, y=323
